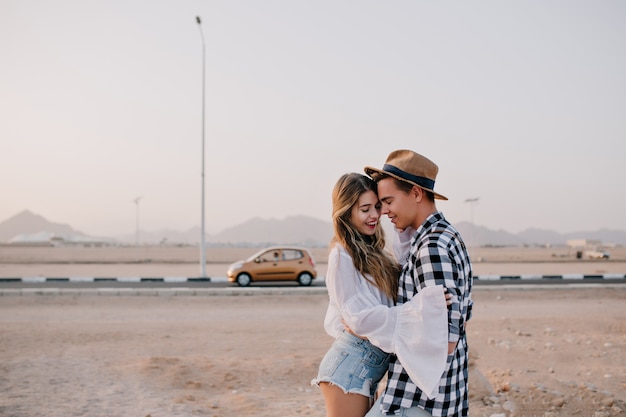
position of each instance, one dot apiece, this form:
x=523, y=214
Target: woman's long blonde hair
x=368, y=252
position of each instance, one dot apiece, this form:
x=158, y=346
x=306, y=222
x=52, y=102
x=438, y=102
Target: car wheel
x=244, y=279
x=305, y=278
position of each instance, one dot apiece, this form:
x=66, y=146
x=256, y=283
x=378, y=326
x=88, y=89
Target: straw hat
x=410, y=167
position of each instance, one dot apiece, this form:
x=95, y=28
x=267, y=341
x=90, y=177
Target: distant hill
x=27, y=223
x=481, y=236
x=299, y=230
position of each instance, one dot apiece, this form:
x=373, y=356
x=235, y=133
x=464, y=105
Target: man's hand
x=451, y=345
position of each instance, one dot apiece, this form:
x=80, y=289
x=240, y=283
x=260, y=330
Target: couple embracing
x=403, y=315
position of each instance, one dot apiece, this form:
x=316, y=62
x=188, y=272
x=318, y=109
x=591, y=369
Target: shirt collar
x=429, y=223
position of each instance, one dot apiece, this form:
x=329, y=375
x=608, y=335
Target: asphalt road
x=64, y=283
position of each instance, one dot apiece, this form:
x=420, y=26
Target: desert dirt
x=548, y=352
x=557, y=351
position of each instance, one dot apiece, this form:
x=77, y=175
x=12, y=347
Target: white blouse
x=417, y=331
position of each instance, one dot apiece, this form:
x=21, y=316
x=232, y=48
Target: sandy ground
x=555, y=352
x=548, y=352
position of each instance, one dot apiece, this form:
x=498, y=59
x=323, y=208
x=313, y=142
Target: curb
x=548, y=277
x=38, y=280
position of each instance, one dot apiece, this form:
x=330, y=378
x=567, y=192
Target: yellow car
x=278, y=263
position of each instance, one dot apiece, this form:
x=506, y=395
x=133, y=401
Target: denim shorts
x=354, y=365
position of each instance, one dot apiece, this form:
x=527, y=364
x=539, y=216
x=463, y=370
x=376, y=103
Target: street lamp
x=472, y=202
x=136, y=200
x=202, y=236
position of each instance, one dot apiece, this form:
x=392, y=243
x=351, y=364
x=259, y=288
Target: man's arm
x=433, y=266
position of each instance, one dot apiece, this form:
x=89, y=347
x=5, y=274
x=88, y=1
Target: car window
x=270, y=256
x=292, y=254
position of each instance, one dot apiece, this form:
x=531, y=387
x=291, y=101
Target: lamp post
x=136, y=200
x=472, y=202
x=202, y=236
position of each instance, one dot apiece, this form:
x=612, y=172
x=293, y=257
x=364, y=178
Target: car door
x=293, y=263
x=271, y=266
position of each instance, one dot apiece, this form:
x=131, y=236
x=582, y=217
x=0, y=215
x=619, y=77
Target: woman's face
x=366, y=213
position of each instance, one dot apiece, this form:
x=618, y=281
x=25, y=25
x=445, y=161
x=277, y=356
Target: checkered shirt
x=437, y=256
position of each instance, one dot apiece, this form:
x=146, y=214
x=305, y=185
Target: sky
x=521, y=104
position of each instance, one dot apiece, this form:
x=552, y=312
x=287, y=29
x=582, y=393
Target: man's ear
x=417, y=193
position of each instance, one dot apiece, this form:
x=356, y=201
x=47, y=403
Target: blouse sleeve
x=417, y=332
x=332, y=321
x=343, y=283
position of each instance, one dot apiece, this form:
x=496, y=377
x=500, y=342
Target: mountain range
x=27, y=227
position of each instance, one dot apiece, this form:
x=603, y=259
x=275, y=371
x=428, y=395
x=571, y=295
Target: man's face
x=400, y=207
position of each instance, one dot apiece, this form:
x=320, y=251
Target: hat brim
x=371, y=170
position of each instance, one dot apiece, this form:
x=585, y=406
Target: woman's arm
x=417, y=332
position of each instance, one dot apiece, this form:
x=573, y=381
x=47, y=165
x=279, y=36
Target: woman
x=362, y=282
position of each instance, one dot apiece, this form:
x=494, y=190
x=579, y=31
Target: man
x=433, y=253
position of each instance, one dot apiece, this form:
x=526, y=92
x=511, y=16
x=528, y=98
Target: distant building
x=584, y=243
x=588, y=248
x=51, y=239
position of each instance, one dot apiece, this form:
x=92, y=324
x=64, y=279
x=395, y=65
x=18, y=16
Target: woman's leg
x=340, y=404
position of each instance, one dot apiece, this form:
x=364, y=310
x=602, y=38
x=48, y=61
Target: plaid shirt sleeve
x=437, y=257
x=432, y=265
